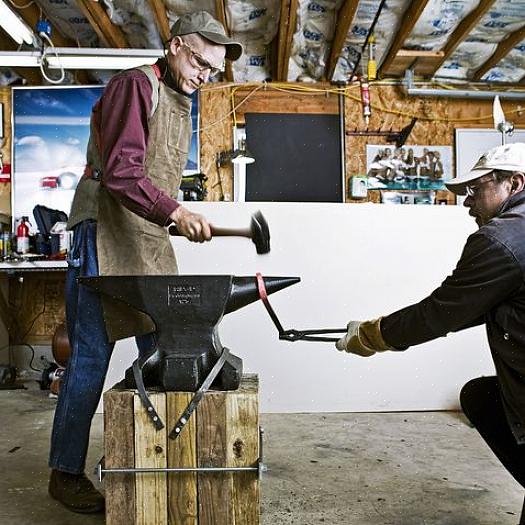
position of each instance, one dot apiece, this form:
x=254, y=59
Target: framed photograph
x=408, y=168
x=50, y=136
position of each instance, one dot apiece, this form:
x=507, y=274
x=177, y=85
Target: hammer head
x=260, y=233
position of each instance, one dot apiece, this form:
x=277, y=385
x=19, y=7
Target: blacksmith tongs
x=292, y=334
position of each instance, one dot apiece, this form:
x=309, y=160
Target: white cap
x=510, y=157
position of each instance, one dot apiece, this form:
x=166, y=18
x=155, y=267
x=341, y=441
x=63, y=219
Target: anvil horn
x=244, y=290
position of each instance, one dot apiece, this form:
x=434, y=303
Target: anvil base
x=186, y=373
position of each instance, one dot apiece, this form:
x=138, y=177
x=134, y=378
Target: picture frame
x=50, y=130
x=414, y=167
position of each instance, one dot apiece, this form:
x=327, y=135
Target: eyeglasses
x=200, y=63
x=471, y=190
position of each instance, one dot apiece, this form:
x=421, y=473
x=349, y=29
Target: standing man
x=138, y=147
x=487, y=287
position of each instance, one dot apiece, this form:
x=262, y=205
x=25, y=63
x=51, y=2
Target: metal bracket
x=259, y=467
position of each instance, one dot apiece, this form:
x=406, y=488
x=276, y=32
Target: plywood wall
x=391, y=110
x=216, y=135
x=37, y=306
x=5, y=150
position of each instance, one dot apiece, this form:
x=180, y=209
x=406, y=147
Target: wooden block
x=243, y=451
x=150, y=451
x=119, y=448
x=182, y=452
x=215, y=489
x=222, y=432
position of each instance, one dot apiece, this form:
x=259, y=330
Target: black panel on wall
x=297, y=158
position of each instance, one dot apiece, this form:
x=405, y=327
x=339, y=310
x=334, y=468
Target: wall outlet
x=358, y=187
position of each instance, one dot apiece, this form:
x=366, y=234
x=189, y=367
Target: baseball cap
x=510, y=157
x=204, y=24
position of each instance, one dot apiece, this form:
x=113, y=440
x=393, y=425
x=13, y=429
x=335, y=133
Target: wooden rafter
x=287, y=25
x=345, y=16
x=503, y=49
x=220, y=13
x=410, y=17
x=462, y=31
x=163, y=25
x=280, y=43
x=110, y=34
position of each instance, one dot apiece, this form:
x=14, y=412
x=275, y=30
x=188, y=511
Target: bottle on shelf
x=6, y=244
x=22, y=236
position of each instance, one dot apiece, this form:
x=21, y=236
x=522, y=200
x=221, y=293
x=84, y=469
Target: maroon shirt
x=124, y=109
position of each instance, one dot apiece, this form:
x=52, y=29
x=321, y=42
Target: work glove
x=363, y=338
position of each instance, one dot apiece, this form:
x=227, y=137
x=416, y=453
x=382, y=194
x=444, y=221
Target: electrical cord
x=25, y=6
x=32, y=356
x=43, y=60
x=11, y=360
x=309, y=90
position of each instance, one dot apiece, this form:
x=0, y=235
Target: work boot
x=75, y=492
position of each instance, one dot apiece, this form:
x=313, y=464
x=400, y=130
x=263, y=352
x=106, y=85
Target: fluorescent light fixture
x=98, y=62
x=81, y=58
x=408, y=86
x=14, y=26
x=100, y=58
x=20, y=58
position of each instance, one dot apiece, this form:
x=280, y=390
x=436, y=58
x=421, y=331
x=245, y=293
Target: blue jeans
x=90, y=354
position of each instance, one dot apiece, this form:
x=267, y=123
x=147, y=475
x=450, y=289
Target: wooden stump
x=222, y=432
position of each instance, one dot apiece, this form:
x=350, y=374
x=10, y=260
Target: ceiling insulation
x=69, y=20
x=497, y=31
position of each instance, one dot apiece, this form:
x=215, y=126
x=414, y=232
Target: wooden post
x=222, y=432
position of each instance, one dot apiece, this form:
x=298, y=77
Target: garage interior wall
x=375, y=259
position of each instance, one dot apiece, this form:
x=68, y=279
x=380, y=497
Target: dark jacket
x=487, y=286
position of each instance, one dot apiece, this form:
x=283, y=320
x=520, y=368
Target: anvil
x=186, y=310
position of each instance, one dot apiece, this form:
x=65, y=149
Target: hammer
x=258, y=232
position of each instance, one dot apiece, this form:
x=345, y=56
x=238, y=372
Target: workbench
x=32, y=300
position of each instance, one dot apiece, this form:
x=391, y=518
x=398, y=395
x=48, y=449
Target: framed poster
x=50, y=136
x=408, y=168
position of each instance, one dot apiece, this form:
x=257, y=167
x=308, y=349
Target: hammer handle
x=217, y=231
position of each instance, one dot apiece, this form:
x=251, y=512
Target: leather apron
x=128, y=244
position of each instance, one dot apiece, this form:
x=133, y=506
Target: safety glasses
x=200, y=63
x=472, y=190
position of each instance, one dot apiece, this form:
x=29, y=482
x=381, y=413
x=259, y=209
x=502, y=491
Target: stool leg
x=522, y=518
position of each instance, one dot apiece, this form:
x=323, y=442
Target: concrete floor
x=426, y=468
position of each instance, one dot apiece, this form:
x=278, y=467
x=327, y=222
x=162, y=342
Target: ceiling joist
x=462, y=31
x=410, y=17
x=287, y=25
x=422, y=62
x=503, y=49
x=110, y=34
x=161, y=17
x=280, y=45
x=345, y=16
x=220, y=13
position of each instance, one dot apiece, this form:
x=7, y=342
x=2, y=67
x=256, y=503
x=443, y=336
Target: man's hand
x=193, y=226
x=363, y=338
